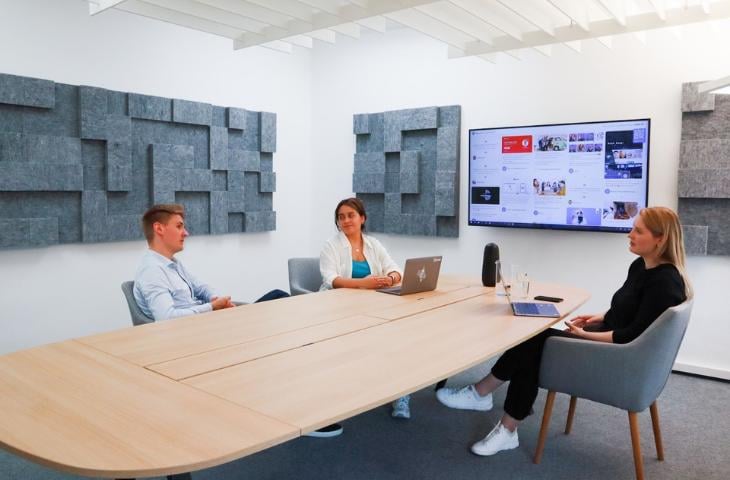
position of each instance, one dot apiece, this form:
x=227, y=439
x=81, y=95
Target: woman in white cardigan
x=352, y=259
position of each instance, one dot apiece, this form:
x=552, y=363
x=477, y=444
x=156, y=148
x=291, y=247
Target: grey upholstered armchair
x=304, y=276
x=138, y=316
x=629, y=376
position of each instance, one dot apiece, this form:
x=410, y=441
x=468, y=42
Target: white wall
x=402, y=69
x=61, y=292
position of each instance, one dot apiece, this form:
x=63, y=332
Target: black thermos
x=489, y=270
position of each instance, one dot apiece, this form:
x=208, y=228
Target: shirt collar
x=161, y=259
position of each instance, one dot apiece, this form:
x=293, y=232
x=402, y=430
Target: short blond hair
x=159, y=213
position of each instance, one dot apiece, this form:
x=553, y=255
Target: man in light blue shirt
x=163, y=288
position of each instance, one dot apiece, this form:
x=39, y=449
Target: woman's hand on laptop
x=374, y=282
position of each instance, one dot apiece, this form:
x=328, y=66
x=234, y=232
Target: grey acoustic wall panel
x=407, y=170
x=81, y=164
x=704, y=172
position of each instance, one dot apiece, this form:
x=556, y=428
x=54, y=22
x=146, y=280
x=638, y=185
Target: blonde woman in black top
x=656, y=281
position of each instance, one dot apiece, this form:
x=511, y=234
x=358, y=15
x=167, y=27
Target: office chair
x=304, y=276
x=138, y=316
x=627, y=376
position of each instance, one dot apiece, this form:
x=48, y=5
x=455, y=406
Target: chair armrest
x=297, y=290
x=598, y=371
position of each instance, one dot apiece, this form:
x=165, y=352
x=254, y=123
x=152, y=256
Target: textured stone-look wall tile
x=27, y=92
x=704, y=183
x=704, y=173
x=236, y=118
x=695, y=239
x=19, y=177
x=81, y=163
x=267, y=182
x=12, y=147
x=407, y=170
x=118, y=166
x=259, y=221
x=710, y=212
x=361, y=124
x=218, y=148
x=244, y=160
x=196, y=113
x=408, y=175
x=705, y=153
x=150, y=108
x=44, y=149
x=93, y=216
x=268, y=132
x=694, y=101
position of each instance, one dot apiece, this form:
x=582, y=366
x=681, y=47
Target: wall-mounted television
x=573, y=176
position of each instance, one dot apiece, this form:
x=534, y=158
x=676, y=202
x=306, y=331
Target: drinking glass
x=522, y=285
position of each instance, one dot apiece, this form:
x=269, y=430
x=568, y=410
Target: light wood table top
x=319, y=384
x=195, y=392
x=71, y=407
x=160, y=342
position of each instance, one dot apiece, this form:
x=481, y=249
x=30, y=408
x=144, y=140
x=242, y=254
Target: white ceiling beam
x=207, y=12
x=660, y=8
x=615, y=8
x=546, y=50
x=98, y=6
x=349, y=29
x=577, y=45
x=531, y=13
x=491, y=17
x=249, y=10
x=417, y=20
x=279, y=46
x=605, y=41
x=324, y=35
x=307, y=19
x=601, y=28
x=458, y=18
x=376, y=24
x=576, y=10
x=300, y=41
x=172, y=16
x=713, y=84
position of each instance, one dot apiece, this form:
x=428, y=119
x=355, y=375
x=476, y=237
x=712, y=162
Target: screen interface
x=585, y=176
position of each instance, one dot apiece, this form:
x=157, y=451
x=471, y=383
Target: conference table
x=195, y=392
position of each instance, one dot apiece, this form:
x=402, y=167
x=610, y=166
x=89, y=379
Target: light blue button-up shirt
x=164, y=289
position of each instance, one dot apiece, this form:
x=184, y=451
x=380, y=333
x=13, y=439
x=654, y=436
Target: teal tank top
x=360, y=269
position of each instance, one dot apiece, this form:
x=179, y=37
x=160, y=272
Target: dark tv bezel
x=547, y=226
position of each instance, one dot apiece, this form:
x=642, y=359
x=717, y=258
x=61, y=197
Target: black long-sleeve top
x=645, y=294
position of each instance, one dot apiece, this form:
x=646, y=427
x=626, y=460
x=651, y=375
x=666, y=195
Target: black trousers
x=273, y=295
x=520, y=365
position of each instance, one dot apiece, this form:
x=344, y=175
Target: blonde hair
x=159, y=213
x=664, y=222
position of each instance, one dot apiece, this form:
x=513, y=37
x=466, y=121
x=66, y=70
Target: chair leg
x=657, y=432
x=544, y=427
x=571, y=413
x=636, y=443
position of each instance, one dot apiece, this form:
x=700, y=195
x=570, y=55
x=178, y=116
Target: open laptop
x=420, y=275
x=528, y=309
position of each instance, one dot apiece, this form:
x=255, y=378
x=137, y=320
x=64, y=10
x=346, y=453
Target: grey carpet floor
x=434, y=443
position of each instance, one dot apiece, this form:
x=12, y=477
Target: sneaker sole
x=484, y=454
x=479, y=408
x=316, y=434
x=400, y=415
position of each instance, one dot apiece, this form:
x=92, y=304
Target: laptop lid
x=419, y=275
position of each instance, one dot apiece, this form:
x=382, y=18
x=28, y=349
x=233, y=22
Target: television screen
x=577, y=176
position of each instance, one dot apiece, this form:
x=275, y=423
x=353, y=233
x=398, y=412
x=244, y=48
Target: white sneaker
x=465, y=398
x=498, y=439
x=401, y=408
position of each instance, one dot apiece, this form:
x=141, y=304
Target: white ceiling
x=468, y=27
